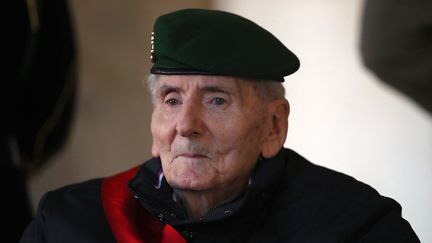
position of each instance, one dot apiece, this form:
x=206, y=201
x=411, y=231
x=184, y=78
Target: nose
x=189, y=120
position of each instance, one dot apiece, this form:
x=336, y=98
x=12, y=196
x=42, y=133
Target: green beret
x=211, y=42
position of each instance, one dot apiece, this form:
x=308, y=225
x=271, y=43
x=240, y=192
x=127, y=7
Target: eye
x=218, y=101
x=172, y=102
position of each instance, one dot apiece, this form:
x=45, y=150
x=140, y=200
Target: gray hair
x=267, y=89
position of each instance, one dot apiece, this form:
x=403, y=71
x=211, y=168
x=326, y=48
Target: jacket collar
x=155, y=194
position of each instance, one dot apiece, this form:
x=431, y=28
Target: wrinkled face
x=207, y=130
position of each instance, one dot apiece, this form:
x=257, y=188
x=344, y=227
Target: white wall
x=342, y=117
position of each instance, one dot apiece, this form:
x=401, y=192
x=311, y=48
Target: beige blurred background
x=342, y=117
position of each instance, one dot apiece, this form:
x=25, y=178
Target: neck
x=199, y=203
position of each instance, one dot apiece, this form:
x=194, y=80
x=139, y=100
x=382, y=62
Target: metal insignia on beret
x=152, y=56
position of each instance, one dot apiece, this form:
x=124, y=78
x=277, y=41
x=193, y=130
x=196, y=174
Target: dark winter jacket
x=288, y=200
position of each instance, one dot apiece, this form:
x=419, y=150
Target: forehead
x=186, y=83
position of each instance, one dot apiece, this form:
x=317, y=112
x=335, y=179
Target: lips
x=190, y=151
x=192, y=156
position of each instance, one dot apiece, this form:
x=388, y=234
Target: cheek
x=161, y=131
x=240, y=140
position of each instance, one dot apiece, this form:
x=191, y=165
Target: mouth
x=192, y=156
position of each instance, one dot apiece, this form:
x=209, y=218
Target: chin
x=190, y=182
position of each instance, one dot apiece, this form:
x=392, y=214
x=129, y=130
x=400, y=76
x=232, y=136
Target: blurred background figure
x=38, y=101
x=396, y=44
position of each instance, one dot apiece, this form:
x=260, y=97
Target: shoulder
x=302, y=176
x=73, y=213
x=75, y=197
x=332, y=204
x=333, y=189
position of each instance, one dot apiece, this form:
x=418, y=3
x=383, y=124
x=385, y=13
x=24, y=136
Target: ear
x=278, y=127
x=155, y=150
x=155, y=147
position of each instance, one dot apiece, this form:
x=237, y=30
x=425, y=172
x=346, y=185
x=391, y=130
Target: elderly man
x=219, y=172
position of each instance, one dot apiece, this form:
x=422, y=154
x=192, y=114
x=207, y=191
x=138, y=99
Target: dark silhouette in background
x=396, y=44
x=38, y=100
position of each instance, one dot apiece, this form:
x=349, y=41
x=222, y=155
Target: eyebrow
x=216, y=89
x=166, y=89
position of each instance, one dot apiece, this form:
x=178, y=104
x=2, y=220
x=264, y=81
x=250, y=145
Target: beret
x=213, y=42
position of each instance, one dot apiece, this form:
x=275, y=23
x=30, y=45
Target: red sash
x=130, y=222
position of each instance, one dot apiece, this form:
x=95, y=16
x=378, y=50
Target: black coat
x=288, y=200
